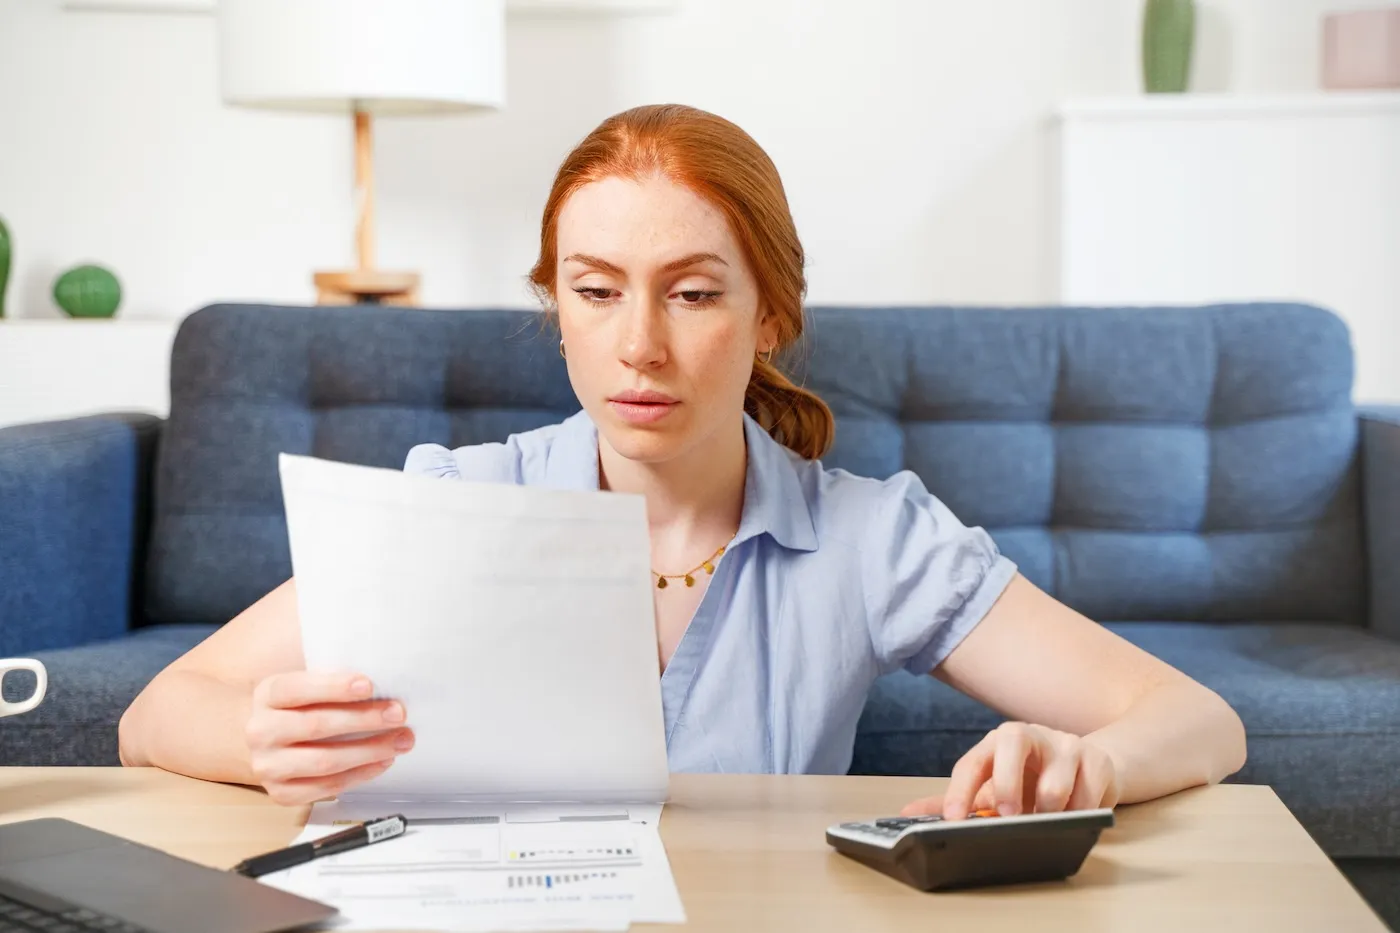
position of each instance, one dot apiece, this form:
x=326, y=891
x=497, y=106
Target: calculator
x=934, y=854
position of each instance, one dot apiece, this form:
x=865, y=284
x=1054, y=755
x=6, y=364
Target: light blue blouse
x=831, y=581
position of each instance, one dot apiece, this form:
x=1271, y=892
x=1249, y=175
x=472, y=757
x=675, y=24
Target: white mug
x=24, y=664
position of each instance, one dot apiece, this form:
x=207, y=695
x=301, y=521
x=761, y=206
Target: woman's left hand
x=1023, y=768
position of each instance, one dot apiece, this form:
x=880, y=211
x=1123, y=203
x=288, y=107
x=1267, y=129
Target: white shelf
x=589, y=7
x=52, y=368
x=515, y=7
x=139, y=6
x=1196, y=106
x=11, y=324
x=1187, y=199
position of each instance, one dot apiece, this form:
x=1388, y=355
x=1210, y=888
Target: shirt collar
x=774, y=502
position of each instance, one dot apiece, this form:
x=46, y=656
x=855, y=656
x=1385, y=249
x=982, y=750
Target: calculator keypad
x=891, y=827
x=904, y=822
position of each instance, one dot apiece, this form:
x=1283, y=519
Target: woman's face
x=659, y=314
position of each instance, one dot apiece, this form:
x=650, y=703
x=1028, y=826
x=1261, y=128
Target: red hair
x=722, y=164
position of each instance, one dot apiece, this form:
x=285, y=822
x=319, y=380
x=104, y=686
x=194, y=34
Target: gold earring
x=768, y=358
x=561, y=349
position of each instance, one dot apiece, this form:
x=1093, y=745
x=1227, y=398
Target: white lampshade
x=378, y=56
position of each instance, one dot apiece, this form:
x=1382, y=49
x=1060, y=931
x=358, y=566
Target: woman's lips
x=641, y=412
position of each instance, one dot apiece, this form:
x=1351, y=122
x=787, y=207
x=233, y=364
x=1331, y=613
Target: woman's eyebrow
x=694, y=259
x=595, y=262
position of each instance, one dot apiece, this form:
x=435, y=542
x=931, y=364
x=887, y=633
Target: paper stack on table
x=516, y=625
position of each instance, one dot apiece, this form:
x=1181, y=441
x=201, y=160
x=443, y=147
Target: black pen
x=386, y=827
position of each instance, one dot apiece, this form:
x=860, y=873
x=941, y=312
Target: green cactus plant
x=88, y=291
x=4, y=263
x=1168, y=34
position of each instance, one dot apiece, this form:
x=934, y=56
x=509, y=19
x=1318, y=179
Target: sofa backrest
x=1191, y=464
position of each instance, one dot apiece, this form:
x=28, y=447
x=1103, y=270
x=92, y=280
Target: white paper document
x=516, y=626
x=515, y=623
x=529, y=868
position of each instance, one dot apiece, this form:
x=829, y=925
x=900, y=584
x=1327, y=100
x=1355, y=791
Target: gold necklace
x=708, y=565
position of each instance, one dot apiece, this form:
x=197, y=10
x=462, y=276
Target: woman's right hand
x=296, y=720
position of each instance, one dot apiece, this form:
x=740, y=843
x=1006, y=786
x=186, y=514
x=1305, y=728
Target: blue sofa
x=1196, y=478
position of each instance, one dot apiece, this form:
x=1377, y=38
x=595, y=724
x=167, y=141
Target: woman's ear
x=767, y=331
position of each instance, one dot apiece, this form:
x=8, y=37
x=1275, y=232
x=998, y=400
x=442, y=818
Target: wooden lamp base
x=366, y=286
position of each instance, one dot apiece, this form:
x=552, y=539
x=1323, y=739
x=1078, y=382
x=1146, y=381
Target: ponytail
x=795, y=417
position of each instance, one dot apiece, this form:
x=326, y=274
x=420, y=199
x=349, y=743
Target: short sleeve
x=480, y=463
x=929, y=579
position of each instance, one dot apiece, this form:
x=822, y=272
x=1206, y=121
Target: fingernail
x=361, y=687
x=393, y=712
x=404, y=742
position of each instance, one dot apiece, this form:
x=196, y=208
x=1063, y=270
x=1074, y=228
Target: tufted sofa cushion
x=358, y=384
x=1141, y=464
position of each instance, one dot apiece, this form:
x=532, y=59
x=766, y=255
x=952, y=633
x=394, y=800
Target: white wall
x=914, y=137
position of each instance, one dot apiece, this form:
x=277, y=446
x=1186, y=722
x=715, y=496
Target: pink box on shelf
x=1361, y=49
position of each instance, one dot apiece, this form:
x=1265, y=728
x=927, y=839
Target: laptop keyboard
x=21, y=918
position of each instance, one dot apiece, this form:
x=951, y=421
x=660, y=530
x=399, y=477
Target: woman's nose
x=643, y=344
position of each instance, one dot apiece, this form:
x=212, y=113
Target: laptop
x=56, y=875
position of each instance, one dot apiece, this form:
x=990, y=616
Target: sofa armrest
x=74, y=513
x=1380, y=470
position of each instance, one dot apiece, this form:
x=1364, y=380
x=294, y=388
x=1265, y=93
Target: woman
x=783, y=589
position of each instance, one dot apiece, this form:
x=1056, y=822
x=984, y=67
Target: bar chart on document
x=572, y=867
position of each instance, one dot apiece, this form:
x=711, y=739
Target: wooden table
x=748, y=854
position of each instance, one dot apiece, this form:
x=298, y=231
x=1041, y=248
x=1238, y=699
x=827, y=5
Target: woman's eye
x=696, y=297
x=596, y=295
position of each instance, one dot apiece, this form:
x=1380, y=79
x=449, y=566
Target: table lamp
x=363, y=58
